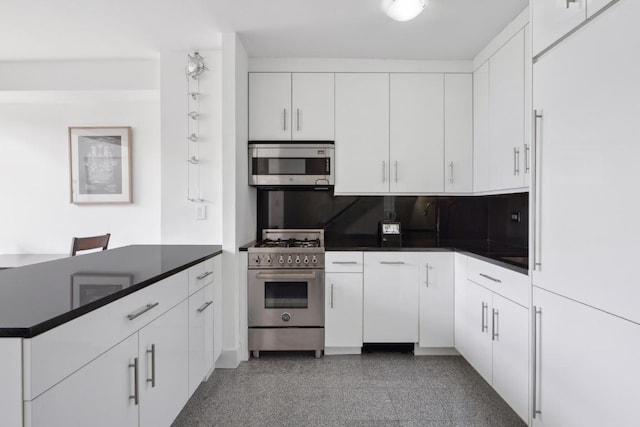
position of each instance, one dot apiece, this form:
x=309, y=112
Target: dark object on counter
x=389, y=234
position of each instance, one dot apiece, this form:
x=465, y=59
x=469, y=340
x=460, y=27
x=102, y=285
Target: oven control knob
x=269, y=260
x=289, y=260
x=257, y=260
x=281, y=260
x=306, y=260
x=297, y=260
x=314, y=260
x=285, y=317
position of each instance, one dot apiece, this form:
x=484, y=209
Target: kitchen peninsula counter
x=39, y=297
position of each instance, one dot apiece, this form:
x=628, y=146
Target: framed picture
x=100, y=159
x=89, y=287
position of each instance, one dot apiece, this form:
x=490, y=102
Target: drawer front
x=56, y=354
x=509, y=284
x=200, y=275
x=343, y=262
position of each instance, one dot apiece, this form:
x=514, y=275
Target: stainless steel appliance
x=389, y=234
x=276, y=164
x=286, y=291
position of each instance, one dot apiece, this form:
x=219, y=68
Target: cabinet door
x=479, y=348
x=391, y=293
x=269, y=106
x=481, y=128
x=313, y=106
x=510, y=324
x=462, y=315
x=97, y=395
x=552, y=19
x=164, y=360
x=588, y=151
x=506, y=115
x=362, y=133
x=594, y=6
x=416, y=132
x=587, y=365
x=209, y=328
x=343, y=310
x=458, y=133
x=198, y=307
x=436, y=300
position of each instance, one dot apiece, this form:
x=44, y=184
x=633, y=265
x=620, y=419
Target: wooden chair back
x=86, y=243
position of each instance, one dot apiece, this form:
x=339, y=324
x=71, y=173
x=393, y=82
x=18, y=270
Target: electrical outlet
x=201, y=212
x=515, y=217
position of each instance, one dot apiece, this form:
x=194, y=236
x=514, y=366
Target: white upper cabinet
x=362, y=133
x=286, y=106
x=269, y=106
x=458, y=133
x=586, y=203
x=312, y=106
x=506, y=115
x=416, y=142
x=481, y=128
x=552, y=19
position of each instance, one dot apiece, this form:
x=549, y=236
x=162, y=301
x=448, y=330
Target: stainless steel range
x=286, y=291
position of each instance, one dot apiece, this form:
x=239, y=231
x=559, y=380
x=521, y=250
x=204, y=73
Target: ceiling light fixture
x=403, y=10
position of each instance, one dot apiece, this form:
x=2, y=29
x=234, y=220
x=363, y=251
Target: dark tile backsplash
x=469, y=218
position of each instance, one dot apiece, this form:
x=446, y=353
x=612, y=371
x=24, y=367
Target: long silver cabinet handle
x=536, y=313
x=142, y=311
x=396, y=171
x=527, y=166
x=284, y=119
x=494, y=324
x=152, y=352
x=486, y=276
x=344, y=262
x=332, y=295
x=392, y=262
x=484, y=325
x=204, y=306
x=203, y=275
x=535, y=191
x=451, y=172
x=427, y=280
x=298, y=119
x=135, y=396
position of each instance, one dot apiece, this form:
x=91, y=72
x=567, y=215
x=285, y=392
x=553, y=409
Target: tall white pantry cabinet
x=585, y=316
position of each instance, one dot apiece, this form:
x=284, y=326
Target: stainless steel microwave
x=291, y=164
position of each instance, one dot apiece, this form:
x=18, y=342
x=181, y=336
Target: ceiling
x=76, y=29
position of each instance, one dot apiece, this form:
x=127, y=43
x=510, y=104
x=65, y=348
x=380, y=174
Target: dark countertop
x=497, y=253
x=39, y=297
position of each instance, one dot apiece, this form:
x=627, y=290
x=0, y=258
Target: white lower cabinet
x=343, y=309
x=164, y=361
x=498, y=345
x=343, y=302
x=436, y=300
x=101, y=394
x=586, y=365
x=201, y=334
x=391, y=295
x=461, y=313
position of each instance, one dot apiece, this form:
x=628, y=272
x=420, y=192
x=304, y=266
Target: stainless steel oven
x=286, y=298
x=288, y=164
x=285, y=280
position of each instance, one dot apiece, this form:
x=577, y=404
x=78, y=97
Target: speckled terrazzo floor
x=379, y=389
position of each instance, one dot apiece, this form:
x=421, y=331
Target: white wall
x=179, y=223
x=36, y=214
x=239, y=201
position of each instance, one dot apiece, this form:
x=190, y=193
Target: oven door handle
x=285, y=276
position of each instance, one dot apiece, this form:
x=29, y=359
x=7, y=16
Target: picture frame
x=89, y=287
x=100, y=164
